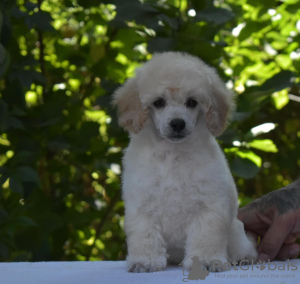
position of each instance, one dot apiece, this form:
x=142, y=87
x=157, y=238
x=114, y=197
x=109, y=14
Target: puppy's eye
x=191, y=103
x=160, y=103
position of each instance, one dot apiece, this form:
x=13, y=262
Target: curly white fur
x=180, y=197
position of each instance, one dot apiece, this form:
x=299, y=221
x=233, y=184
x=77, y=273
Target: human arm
x=275, y=217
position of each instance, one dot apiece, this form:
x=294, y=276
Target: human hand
x=275, y=217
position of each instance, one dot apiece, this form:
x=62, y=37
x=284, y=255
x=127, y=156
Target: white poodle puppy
x=180, y=198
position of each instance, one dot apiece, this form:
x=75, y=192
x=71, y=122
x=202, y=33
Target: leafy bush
x=60, y=146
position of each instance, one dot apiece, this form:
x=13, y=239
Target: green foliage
x=60, y=146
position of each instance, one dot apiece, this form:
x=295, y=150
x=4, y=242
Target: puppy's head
x=174, y=90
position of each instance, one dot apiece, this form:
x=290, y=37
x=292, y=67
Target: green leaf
x=244, y=167
x=160, y=44
x=40, y=21
x=3, y=178
x=251, y=101
x=21, y=157
x=229, y=136
x=280, y=98
x=130, y=9
x=2, y=53
x=30, y=6
x=3, y=115
x=214, y=15
x=246, y=154
x=24, y=221
x=240, y=116
x=27, y=77
x=281, y=80
x=15, y=123
x=2, y=170
x=4, y=61
x=50, y=222
x=15, y=184
x=17, y=112
x=58, y=145
x=27, y=174
x=265, y=145
x=7, y=121
x=3, y=216
x=172, y=23
x=198, y=5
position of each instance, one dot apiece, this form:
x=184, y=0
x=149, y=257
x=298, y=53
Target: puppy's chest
x=176, y=183
x=172, y=168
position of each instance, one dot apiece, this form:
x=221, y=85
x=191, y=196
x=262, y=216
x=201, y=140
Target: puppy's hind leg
x=240, y=246
x=146, y=246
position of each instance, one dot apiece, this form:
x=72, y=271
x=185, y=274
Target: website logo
x=198, y=272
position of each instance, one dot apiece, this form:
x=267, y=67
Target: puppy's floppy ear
x=222, y=104
x=132, y=116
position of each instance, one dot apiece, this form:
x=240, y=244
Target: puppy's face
x=172, y=90
x=175, y=115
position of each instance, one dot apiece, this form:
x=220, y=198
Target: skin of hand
x=275, y=217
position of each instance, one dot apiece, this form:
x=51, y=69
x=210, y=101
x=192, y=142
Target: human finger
x=288, y=251
x=273, y=239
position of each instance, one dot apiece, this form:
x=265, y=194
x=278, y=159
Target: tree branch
x=294, y=98
x=102, y=222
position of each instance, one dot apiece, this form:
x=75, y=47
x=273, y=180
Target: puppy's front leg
x=146, y=246
x=207, y=239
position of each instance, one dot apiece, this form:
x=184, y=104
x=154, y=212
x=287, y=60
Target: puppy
x=180, y=198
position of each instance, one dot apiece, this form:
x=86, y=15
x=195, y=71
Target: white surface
x=106, y=272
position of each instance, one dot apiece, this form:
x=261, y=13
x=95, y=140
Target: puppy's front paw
x=144, y=267
x=217, y=265
x=142, y=264
x=251, y=256
x=199, y=263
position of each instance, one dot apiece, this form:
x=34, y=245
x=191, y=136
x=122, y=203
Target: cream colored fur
x=180, y=198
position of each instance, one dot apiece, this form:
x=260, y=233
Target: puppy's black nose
x=177, y=124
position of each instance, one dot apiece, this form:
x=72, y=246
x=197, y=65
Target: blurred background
x=60, y=145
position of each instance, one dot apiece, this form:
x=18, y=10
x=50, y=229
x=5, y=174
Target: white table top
x=106, y=272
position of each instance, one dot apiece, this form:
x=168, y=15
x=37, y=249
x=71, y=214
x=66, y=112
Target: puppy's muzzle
x=177, y=130
x=177, y=125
